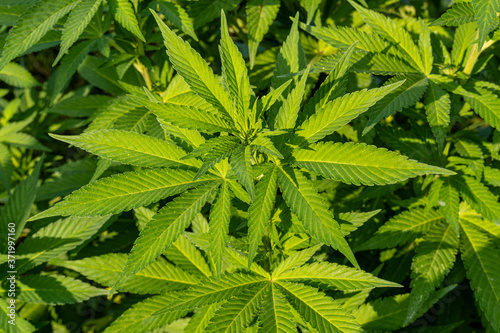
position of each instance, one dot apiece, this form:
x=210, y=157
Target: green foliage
x=301, y=166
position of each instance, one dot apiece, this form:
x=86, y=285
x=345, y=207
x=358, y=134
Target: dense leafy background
x=251, y=166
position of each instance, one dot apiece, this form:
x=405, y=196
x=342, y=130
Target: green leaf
x=77, y=21
x=480, y=257
x=319, y=310
x=291, y=57
x=68, y=67
x=18, y=207
x=54, y=289
x=296, y=260
x=124, y=13
x=390, y=313
x=220, y=214
x=334, y=276
x=17, y=76
x=141, y=317
x=305, y=202
x=289, y=111
x=54, y=240
x=32, y=26
x=196, y=72
x=334, y=86
x=410, y=92
x=188, y=257
x=164, y=229
x=276, y=316
x=458, y=14
x=479, y=197
x=160, y=276
x=237, y=313
x=178, y=16
x=486, y=12
x=241, y=163
x=201, y=319
x=130, y=148
x=339, y=112
x=388, y=29
x=260, y=16
x=449, y=202
x=358, y=163
x=124, y=191
x=21, y=324
x=434, y=257
x=235, y=74
x=186, y=116
x=483, y=101
x=6, y=167
x=260, y=210
x=265, y=146
x=437, y=108
x=213, y=290
x=402, y=228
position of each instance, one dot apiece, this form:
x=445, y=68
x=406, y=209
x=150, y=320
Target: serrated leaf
x=479, y=197
x=77, y=21
x=434, y=257
x=485, y=14
x=17, y=209
x=54, y=289
x=388, y=29
x=124, y=13
x=32, y=26
x=319, y=310
x=358, y=163
x=213, y=290
x=220, y=215
x=160, y=276
x=459, y=13
x=480, y=257
x=405, y=96
x=437, y=108
x=260, y=210
x=236, y=314
x=178, y=16
x=130, y=148
x=241, y=165
x=260, y=16
x=449, y=202
x=186, y=256
x=276, y=316
x=164, y=229
x=22, y=325
x=56, y=239
x=196, y=72
x=295, y=260
x=334, y=86
x=291, y=57
x=334, y=276
x=235, y=74
x=289, y=111
x=6, y=166
x=142, y=317
x=266, y=146
x=63, y=74
x=17, y=76
x=125, y=191
x=201, y=319
x=305, y=202
x=337, y=113
x=186, y=116
x=402, y=229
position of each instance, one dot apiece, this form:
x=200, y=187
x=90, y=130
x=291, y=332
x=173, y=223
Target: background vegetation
x=149, y=194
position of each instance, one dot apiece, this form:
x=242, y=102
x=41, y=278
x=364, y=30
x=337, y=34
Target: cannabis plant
x=305, y=166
